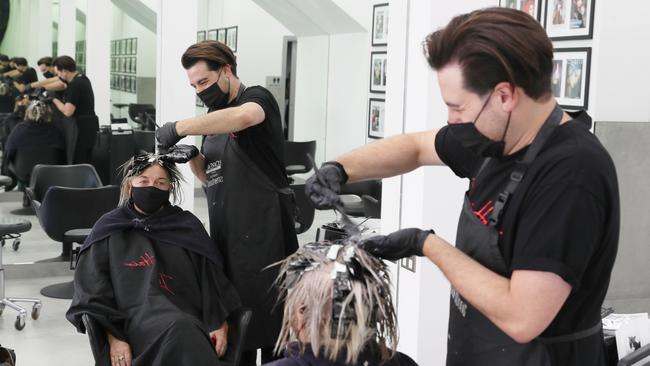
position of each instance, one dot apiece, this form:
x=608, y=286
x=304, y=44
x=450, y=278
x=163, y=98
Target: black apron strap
x=573, y=336
x=520, y=169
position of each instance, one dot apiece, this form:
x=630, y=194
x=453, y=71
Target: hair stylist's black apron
x=251, y=221
x=473, y=339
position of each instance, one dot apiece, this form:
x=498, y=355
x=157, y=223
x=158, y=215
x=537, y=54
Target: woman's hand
x=219, y=339
x=120, y=351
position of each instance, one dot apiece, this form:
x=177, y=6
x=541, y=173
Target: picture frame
x=134, y=62
x=200, y=36
x=135, y=46
x=376, y=117
x=221, y=35
x=378, y=72
x=569, y=19
x=129, y=46
x=122, y=46
x=112, y=47
x=379, y=35
x=112, y=64
x=212, y=35
x=231, y=38
x=570, y=77
x=532, y=7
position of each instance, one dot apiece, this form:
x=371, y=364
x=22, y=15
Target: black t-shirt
x=80, y=93
x=264, y=142
x=563, y=218
x=28, y=77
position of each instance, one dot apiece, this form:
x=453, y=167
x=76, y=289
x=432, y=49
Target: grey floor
x=51, y=338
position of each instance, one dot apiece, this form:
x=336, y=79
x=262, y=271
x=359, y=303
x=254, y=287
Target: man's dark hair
x=4, y=58
x=493, y=45
x=214, y=53
x=20, y=61
x=65, y=63
x=47, y=60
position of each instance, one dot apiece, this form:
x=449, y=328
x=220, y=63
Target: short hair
x=47, y=61
x=65, y=63
x=20, y=61
x=493, y=45
x=139, y=163
x=4, y=58
x=38, y=112
x=216, y=54
x=346, y=295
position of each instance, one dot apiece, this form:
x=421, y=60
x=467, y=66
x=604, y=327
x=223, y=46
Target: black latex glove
x=400, y=244
x=167, y=135
x=180, y=153
x=323, y=188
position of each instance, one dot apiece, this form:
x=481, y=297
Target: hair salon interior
x=344, y=73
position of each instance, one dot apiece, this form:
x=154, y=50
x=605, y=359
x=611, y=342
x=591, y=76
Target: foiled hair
x=38, y=112
x=138, y=164
x=306, y=280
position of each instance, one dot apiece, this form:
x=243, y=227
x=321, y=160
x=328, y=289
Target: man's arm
x=53, y=84
x=13, y=73
x=522, y=306
x=391, y=156
x=222, y=121
x=67, y=109
x=197, y=165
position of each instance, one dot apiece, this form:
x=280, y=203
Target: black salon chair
x=304, y=209
x=73, y=176
x=371, y=207
x=67, y=215
x=145, y=141
x=295, y=156
x=237, y=329
x=24, y=162
x=352, y=193
x=144, y=115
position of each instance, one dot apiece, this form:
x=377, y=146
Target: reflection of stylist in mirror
x=242, y=167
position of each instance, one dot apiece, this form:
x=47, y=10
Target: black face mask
x=472, y=139
x=213, y=97
x=48, y=75
x=149, y=199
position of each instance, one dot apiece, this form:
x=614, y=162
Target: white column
x=43, y=42
x=174, y=97
x=98, y=35
x=67, y=25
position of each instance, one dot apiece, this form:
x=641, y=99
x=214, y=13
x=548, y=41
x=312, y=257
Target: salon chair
x=11, y=229
x=73, y=176
x=237, y=328
x=304, y=209
x=145, y=141
x=296, y=158
x=144, y=115
x=24, y=162
x=351, y=196
x=67, y=215
x=371, y=207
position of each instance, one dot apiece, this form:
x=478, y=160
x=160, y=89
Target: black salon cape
x=293, y=357
x=156, y=283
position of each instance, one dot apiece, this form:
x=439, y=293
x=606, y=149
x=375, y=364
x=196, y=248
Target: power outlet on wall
x=408, y=263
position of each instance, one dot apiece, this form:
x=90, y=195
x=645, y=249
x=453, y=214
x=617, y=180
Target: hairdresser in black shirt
x=79, y=103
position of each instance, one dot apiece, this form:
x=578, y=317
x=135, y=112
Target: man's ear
x=508, y=95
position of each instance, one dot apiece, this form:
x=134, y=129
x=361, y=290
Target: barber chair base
x=59, y=291
x=24, y=211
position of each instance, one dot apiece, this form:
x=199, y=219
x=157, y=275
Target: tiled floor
x=51, y=338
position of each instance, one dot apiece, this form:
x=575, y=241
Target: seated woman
x=35, y=131
x=338, y=309
x=152, y=277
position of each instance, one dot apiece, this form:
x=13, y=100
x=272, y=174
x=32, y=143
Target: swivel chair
x=145, y=141
x=351, y=194
x=66, y=216
x=237, y=329
x=296, y=158
x=26, y=159
x=12, y=229
x=144, y=115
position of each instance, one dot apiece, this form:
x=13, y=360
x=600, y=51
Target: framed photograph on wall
x=570, y=78
x=532, y=7
x=129, y=46
x=134, y=62
x=135, y=46
x=221, y=35
x=376, y=117
x=231, y=38
x=200, y=36
x=112, y=48
x=378, y=72
x=569, y=19
x=212, y=35
x=380, y=25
